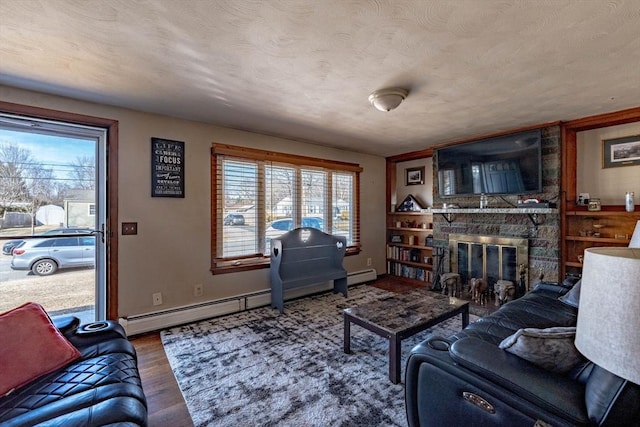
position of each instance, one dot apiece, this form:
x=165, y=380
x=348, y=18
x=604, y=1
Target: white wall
x=610, y=184
x=171, y=252
x=423, y=193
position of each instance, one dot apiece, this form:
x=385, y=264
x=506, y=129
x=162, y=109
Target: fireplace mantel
x=532, y=212
x=514, y=211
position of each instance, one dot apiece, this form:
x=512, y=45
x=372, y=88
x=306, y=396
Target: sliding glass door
x=53, y=216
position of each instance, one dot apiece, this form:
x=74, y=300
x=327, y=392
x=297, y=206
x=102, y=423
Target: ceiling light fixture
x=388, y=99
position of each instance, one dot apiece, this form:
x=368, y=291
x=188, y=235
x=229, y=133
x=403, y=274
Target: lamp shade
x=388, y=99
x=607, y=332
x=635, y=239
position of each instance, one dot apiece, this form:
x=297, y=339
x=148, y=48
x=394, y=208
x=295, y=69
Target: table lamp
x=635, y=239
x=608, y=318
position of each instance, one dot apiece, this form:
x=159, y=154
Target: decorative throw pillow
x=552, y=349
x=31, y=347
x=572, y=297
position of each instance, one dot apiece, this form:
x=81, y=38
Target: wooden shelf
x=573, y=264
x=606, y=211
x=408, y=213
x=597, y=239
x=412, y=263
x=415, y=227
x=578, y=220
x=405, y=245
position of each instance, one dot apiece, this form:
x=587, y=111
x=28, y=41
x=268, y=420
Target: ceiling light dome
x=388, y=99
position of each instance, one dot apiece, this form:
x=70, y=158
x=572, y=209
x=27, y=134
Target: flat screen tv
x=508, y=164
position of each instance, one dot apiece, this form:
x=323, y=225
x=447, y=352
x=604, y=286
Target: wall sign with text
x=167, y=168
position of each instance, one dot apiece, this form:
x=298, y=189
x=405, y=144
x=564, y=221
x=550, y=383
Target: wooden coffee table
x=400, y=316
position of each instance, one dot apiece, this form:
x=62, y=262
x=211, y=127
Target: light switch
x=129, y=228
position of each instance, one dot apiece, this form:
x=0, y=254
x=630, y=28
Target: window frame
x=252, y=154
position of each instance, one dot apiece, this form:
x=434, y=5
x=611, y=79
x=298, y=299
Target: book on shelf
x=410, y=272
x=403, y=254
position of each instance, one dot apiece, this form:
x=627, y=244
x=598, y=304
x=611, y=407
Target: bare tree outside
x=313, y=192
x=83, y=172
x=40, y=192
x=342, y=201
x=240, y=178
x=14, y=164
x=342, y=185
x=25, y=184
x=280, y=184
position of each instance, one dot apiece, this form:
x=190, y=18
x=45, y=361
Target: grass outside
x=24, y=231
x=64, y=290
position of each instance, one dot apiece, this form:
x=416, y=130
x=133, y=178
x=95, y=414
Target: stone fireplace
x=491, y=258
x=540, y=240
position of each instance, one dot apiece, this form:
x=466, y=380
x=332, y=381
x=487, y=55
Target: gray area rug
x=261, y=368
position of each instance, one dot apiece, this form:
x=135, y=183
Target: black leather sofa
x=101, y=388
x=467, y=380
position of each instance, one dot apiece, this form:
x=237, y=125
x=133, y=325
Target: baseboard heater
x=361, y=276
x=154, y=321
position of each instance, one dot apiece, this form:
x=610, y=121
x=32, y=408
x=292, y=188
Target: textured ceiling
x=303, y=69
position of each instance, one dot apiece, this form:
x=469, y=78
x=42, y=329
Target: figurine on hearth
x=451, y=284
x=505, y=291
x=522, y=284
x=478, y=290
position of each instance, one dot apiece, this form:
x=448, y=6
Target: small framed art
x=621, y=151
x=415, y=176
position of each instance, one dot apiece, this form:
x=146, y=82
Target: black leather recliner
x=467, y=380
x=101, y=388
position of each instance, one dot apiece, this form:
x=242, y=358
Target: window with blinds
x=260, y=195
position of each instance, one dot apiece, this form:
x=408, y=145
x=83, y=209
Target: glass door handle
x=101, y=232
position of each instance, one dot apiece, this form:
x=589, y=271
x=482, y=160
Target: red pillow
x=30, y=346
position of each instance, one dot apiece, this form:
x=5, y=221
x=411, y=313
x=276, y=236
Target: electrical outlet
x=157, y=298
x=129, y=228
x=197, y=290
x=368, y=262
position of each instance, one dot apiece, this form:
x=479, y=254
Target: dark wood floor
x=164, y=399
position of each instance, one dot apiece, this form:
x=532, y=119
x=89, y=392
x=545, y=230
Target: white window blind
x=240, y=182
x=262, y=195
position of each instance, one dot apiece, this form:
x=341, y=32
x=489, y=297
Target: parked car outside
x=234, y=219
x=45, y=256
x=281, y=226
x=9, y=245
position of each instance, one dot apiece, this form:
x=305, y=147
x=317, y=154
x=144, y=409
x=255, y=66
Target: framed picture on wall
x=167, y=168
x=415, y=176
x=621, y=151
